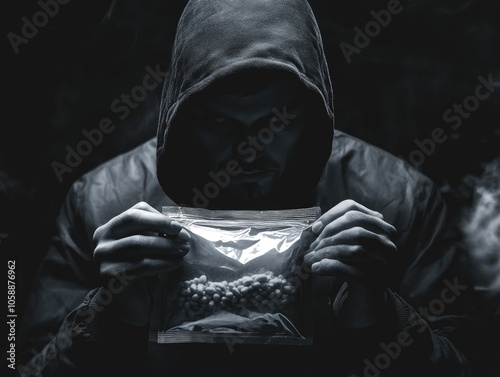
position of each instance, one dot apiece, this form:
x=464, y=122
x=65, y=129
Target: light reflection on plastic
x=247, y=243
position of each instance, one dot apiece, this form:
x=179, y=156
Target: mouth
x=254, y=175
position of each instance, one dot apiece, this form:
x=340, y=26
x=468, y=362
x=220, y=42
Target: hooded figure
x=237, y=49
x=240, y=44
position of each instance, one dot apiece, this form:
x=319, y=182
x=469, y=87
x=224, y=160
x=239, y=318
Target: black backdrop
x=394, y=90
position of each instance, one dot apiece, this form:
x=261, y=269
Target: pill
x=262, y=292
x=247, y=280
x=261, y=277
x=210, y=290
x=244, y=290
x=200, y=288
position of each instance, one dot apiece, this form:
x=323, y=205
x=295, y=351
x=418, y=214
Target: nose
x=250, y=148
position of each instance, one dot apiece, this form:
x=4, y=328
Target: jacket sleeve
x=431, y=320
x=436, y=301
x=68, y=324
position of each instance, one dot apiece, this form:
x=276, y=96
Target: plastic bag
x=242, y=280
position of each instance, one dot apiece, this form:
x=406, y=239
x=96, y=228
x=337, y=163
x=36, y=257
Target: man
x=247, y=122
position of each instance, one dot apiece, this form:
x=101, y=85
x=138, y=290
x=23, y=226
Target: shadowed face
x=249, y=139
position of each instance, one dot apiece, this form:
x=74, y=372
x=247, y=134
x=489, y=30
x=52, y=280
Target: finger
x=145, y=207
x=370, y=241
x=139, y=221
x=342, y=271
x=348, y=254
x=356, y=219
x=140, y=246
x=182, y=233
x=339, y=210
x=145, y=268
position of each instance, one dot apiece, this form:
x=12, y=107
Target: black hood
x=217, y=39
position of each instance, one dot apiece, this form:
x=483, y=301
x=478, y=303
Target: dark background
x=393, y=92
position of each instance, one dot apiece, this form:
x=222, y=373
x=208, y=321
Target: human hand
x=356, y=245
x=140, y=243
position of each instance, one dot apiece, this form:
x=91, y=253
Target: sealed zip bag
x=242, y=281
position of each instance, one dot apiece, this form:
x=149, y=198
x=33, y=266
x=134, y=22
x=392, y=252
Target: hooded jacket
x=67, y=330
x=221, y=40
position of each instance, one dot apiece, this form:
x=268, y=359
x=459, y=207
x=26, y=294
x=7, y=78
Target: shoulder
x=118, y=184
x=376, y=178
x=367, y=161
x=125, y=166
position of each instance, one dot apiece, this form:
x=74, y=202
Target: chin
x=252, y=190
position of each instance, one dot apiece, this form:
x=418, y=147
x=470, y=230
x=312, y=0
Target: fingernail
x=317, y=226
x=315, y=267
x=184, y=235
x=176, y=226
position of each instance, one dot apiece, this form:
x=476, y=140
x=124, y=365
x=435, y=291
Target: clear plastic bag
x=242, y=280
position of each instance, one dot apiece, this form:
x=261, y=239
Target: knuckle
x=97, y=235
x=142, y=205
x=321, y=254
x=350, y=204
x=358, y=232
x=100, y=251
x=320, y=244
x=328, y=228
x=130, y=217
x=352, y=215
x=135, y=241
x=357, y=249
x=100, y=233
x=324, y=243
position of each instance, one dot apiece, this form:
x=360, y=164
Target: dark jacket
x=429, y=264
x=67, y=327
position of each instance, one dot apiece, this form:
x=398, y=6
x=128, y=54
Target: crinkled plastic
x=243, y=280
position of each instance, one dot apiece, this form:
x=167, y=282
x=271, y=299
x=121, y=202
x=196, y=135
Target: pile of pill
x=263, y=292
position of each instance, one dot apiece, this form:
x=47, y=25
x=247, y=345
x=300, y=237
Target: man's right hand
x=143, y=243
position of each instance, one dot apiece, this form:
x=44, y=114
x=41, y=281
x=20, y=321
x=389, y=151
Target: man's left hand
x=356, y=245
